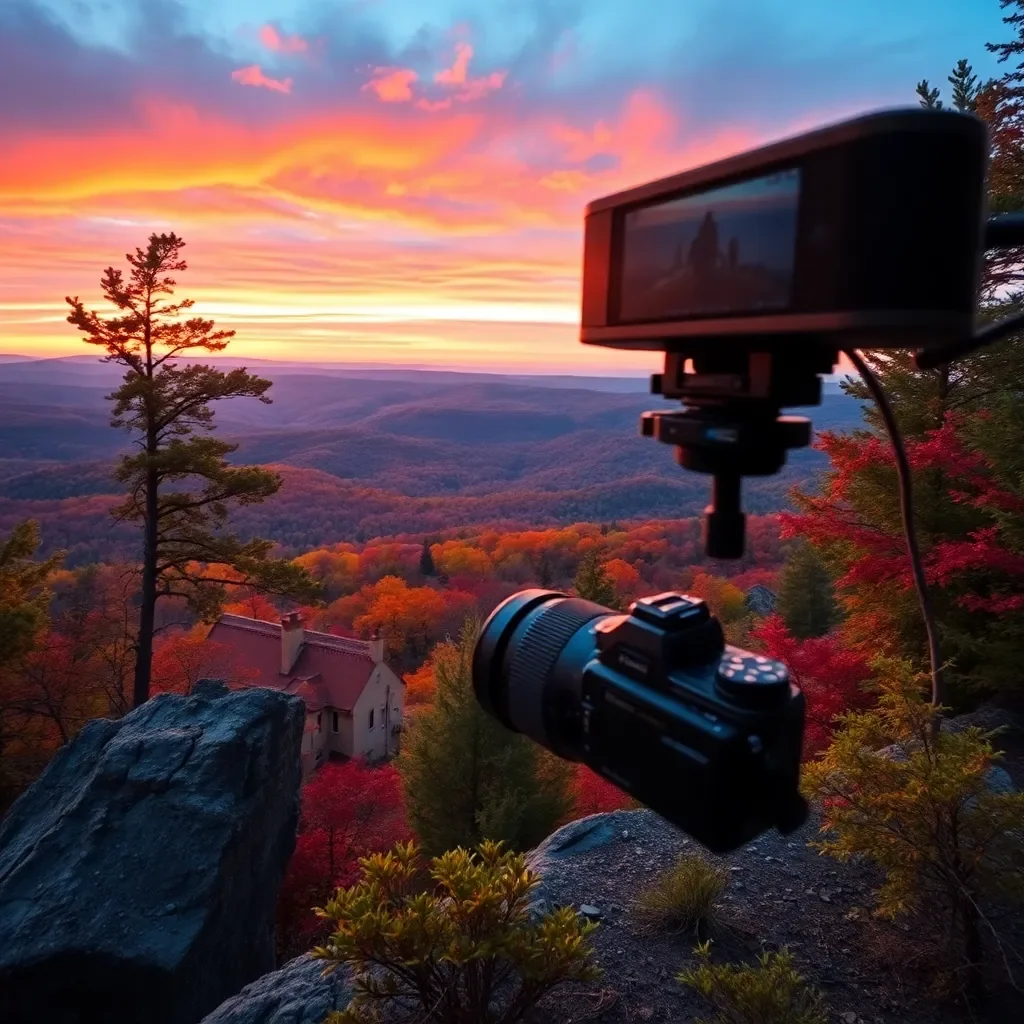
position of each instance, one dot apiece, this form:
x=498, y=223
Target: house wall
x=314, y=744
x=339, y=742
x=383, y=690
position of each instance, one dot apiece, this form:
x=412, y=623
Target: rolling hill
x=364, y=455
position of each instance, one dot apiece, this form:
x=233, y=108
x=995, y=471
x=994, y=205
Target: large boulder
x=138, y=875
x=299, y=993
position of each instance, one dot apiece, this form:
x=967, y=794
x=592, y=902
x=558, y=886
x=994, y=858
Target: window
x=371, y=718
x=319, y=722
x=383, y=715
x=334, y=720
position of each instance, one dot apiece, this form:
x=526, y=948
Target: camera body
x=705, y=734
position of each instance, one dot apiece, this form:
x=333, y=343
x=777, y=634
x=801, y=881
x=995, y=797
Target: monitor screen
x=726, y=251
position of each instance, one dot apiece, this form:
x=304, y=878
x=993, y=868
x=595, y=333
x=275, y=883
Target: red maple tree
x=349, y=810
x=831, y=676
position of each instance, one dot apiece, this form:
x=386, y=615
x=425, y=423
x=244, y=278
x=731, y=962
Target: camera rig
x=866, y=234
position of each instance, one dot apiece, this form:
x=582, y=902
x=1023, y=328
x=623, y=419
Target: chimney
x=291, y=641
x=375, y=648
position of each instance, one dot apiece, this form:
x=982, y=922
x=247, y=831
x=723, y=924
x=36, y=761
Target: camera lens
x=529, y=662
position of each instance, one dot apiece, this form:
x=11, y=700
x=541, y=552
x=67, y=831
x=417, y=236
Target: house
x=354, y=701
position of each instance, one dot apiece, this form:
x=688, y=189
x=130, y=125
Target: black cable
x=907, y=514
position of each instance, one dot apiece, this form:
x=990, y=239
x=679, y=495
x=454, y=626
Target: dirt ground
x=781, y=893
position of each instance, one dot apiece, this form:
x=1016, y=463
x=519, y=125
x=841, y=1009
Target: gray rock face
x=761, y=600
x=138, y=875
x=296, y=994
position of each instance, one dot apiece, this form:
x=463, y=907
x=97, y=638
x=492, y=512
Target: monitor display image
x=726, y=251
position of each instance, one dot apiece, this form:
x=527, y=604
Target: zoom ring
x=534, y=656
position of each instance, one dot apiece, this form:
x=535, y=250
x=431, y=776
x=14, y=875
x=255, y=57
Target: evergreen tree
x=465, y=776
x=594, y=584
x=427, y=567
x=855, y=520
x=24, y=606
x=807, y=601
x=544, y=575
x=165, y=405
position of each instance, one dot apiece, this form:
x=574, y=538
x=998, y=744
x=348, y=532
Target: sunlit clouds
x=253, y=75
x=385, y=182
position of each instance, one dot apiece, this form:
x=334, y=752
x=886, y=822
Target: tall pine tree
x=180, y=486
x=466, y=778
x=592, y=583
x=807, y=601
x=427, y=567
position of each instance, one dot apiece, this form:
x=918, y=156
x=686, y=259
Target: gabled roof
x=330, y=671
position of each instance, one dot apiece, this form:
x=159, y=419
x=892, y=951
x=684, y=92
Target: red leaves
x=595, y=795
x=349, y=810
x=829, y=673
x=981, y=561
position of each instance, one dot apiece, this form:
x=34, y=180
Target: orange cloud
x=274, y=41
x=391, y=85
x=253, y=75
x=456, y=74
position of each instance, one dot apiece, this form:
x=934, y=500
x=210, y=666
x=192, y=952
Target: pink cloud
x=273, y=40
x=253, y=75
x=456, y=74
x=477, y=88
x=392, y=85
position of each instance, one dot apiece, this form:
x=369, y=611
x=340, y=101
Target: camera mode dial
x=752, y=679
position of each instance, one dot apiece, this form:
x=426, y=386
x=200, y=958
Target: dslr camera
x=706, y=734
x=751, y=275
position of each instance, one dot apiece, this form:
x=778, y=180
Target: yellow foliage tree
x=924, y=807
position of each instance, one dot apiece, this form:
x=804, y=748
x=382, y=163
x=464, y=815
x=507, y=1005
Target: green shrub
x=770, y=992
x=924, y=812
x=684, y=896
x=466, y=952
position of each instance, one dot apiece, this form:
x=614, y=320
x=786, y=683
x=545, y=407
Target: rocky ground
x=781, y=893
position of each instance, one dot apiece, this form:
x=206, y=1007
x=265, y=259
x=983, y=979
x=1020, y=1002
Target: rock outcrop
x=296, y=994
x=138, y=875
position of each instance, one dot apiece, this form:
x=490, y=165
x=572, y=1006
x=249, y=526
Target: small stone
x=170, y=908
x=735, y=867
x=849, y=1017
x=589, y=910
x=825, y=897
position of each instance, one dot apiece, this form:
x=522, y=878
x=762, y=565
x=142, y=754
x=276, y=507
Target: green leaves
x=592, y=583
x=464, y=949
x=466, y=777
x=24, y=600
x=772, y=992
x=919, y=806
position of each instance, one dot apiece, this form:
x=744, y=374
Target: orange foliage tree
x=183, y=658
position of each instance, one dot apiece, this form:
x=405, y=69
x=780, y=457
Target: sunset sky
x=402, y=181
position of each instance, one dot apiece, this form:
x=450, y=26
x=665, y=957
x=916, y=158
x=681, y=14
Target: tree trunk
x=147, y=612
x=970, y=933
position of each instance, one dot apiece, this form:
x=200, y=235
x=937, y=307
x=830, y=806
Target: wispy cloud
x=253, y=75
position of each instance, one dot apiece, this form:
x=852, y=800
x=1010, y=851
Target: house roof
x=330, y=671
